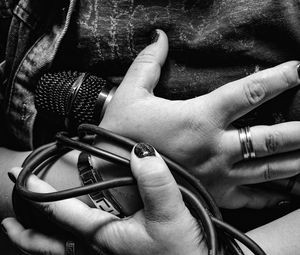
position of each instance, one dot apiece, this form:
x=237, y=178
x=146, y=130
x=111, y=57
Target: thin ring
x=70, y=248
x=246, y=143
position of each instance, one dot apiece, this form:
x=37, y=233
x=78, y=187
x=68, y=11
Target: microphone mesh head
x=83, y=109
x=53, y=94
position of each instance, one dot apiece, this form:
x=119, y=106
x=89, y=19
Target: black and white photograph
x=150, y=127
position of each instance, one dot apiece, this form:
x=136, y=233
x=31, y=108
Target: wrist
x=63, y=174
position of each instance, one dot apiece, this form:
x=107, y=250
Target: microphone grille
x=85, y=103
x=53, y=94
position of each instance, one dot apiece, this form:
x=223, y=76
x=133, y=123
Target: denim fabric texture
x=6, y=8
x=36, y=30
x=212, y=42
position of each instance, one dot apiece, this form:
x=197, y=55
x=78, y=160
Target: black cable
x=195, y=195
x=208, y=200
x=85, y=129
x=51, y=151
x=36, y=152
x=204, y=216
x=244, y=239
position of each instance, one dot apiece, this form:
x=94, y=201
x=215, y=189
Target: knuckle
x=154, y=174
x=288, y=76
x=270, y=172
x=153, y=169
x=145, y=66
x=274, y=142
x=148, y=59
x=255, y=91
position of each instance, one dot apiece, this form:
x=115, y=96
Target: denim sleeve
x=36, y=31
x=6, y=7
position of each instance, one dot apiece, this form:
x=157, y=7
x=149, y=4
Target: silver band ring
x=246, y=143
x=70, y=248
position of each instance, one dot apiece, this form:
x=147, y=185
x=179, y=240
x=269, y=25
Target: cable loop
x=196, y=197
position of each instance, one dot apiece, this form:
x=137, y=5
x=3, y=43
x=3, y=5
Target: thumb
x=158, y=189
x=145, y=70
x=71, y=214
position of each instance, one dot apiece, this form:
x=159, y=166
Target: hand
x=198, y=133
x=165, y=226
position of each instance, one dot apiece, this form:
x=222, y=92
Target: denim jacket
x=212, y=42
x=35, y=32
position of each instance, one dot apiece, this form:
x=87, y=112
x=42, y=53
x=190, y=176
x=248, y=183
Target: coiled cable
x=219, y=235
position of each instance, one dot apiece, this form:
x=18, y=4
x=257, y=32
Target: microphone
x=73, y=97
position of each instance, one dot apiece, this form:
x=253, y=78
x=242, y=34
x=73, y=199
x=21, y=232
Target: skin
x=103, y=231
x=213, y=153
x=61, y=176
x=198, y=133
x=163, y=226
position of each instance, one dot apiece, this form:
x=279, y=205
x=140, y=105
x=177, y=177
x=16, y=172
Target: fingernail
x=155, y=36
x=3, y=229
x=142, y=150
x=284, y=204
x=298, y=70
x=12, y=177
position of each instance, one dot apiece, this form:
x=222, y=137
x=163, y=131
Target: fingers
x=257, y=199
x=269, y=140
x=159, y=191
x=31, y=241
x=266, y=140
x=267, y=169
x=72, y=214
x=145, y=70
x=237, y=98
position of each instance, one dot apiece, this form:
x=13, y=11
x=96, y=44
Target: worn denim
x=35, y=32
x=212, y=42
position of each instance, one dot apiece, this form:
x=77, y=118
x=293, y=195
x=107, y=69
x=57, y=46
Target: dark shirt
x=212, y=42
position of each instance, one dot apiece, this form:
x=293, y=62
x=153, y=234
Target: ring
x=246, y=143
x=70, y=248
